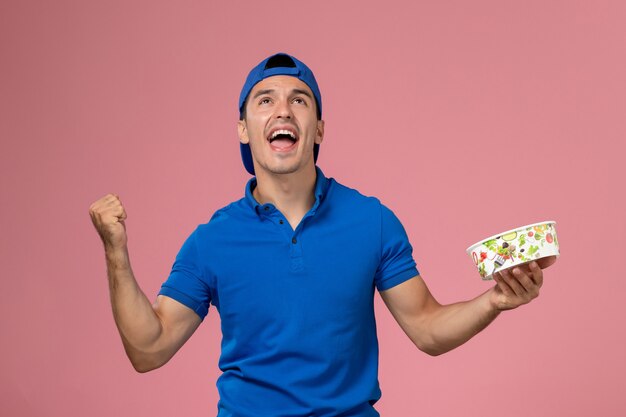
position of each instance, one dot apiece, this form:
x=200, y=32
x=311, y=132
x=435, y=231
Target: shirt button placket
x=296, y=247
x=297, y=264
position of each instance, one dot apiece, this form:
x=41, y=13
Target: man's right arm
x=151, y=333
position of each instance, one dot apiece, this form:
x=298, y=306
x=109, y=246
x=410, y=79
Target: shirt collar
x=321, y=189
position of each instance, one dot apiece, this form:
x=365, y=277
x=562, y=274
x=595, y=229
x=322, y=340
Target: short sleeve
x=396, y=263
x=186, y=282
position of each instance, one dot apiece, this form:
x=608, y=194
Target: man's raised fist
x=108, y=215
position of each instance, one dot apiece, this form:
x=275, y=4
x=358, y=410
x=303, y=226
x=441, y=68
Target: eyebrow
x=295, y=90
x=303, y=92
x=261, y=92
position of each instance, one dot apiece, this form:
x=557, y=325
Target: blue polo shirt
x=296, y=306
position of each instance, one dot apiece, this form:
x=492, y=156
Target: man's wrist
x=117, y=257
x=491, y=308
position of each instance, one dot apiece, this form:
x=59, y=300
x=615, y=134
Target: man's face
x=281, y=125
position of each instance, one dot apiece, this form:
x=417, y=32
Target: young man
x=292, y=268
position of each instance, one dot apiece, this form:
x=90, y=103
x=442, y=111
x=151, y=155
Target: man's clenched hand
x=108, y=215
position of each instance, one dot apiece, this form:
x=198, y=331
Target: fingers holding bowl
x=520, y=284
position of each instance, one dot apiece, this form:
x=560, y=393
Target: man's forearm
x=136, y=320
x=449, y=326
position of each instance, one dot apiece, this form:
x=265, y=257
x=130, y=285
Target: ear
x=242, y=131
x=319, y=134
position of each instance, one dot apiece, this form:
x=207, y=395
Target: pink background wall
x=466, y=118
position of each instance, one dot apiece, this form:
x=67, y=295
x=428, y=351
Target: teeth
x=283, y=132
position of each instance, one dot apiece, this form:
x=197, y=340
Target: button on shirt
x=296, y=306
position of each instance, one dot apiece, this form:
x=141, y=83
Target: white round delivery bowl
x=514, y=247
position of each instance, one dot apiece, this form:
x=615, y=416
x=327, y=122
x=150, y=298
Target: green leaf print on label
x=532, y=250
x=492, y=244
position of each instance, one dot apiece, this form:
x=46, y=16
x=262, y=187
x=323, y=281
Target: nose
x=283, y=110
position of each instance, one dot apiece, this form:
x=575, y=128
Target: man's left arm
x=436, y=328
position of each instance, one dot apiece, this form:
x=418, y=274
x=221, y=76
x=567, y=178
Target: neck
x=293, y=194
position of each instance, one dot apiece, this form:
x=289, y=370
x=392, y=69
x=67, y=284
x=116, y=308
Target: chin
x=282, y=166
x=283, y=170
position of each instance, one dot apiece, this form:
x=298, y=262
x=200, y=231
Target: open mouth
x=282, y=139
